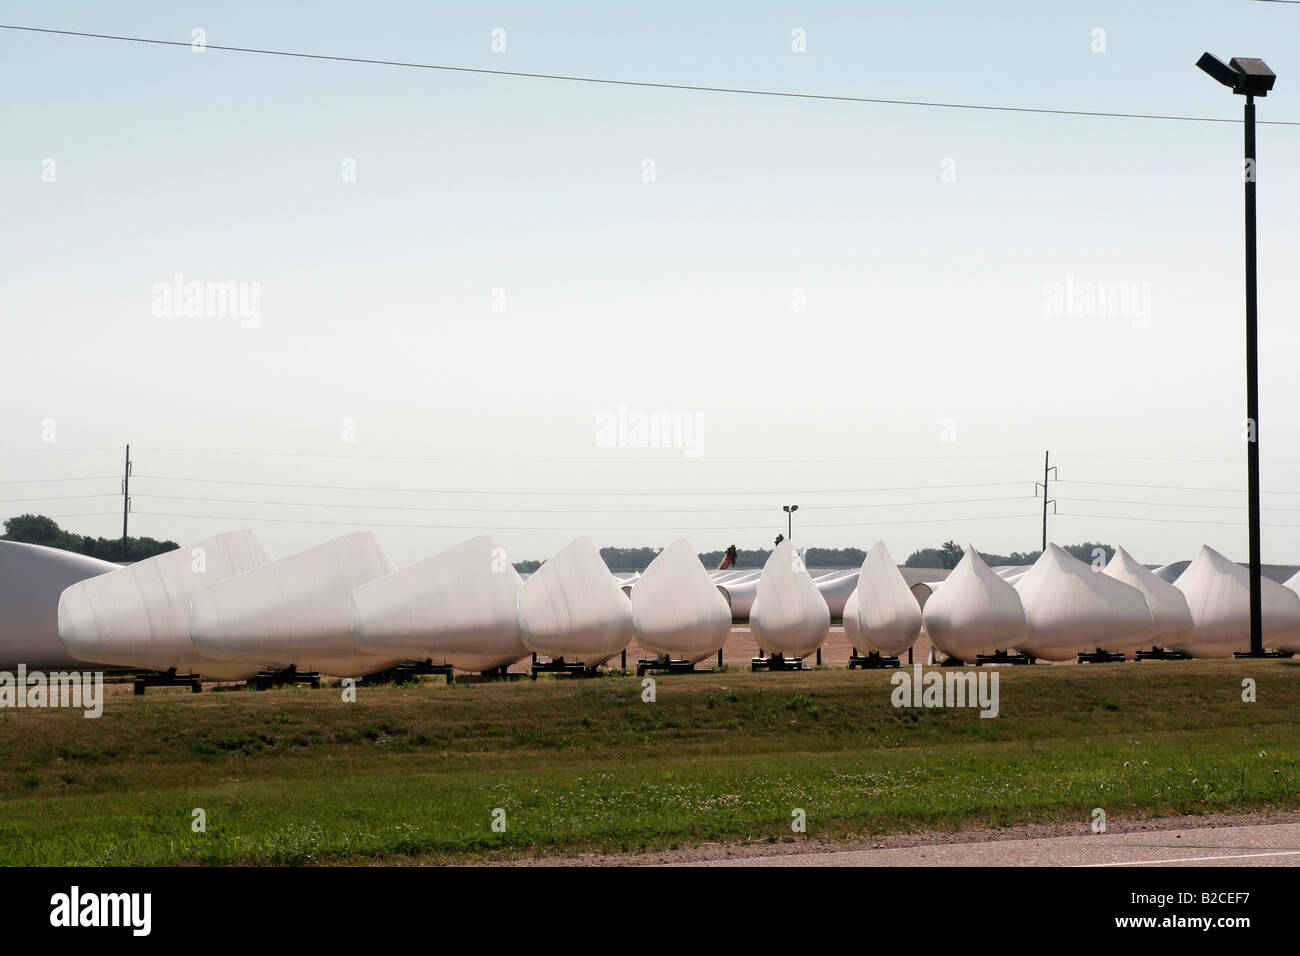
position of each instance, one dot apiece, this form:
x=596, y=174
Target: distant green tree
x=628, y=559
x=1015, y=558
x=745, y=559
x=946, y=556
x=925, y=558
x=38, y=529
x=950, y=552
x=834, y=557
x=813, y=558
x=1088, y=552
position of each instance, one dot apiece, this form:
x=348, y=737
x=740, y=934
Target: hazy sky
x=859, y=308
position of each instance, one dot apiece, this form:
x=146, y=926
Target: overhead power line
x=1172, y=504
x=14, y=501
x=52, y=447
x=1122, y=484
x=583, y=528
x=688, y=494
x=606, y=81
x=1203, y=461
x=618, y=460
x=603, y=460
x=1075, y=514
x=572, y=511
x=585, y=494
x=40, y=481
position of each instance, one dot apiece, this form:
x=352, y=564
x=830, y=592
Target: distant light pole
x=1249, y=77
x=789, y=519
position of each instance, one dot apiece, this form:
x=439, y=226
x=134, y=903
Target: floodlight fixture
x=1244, y=75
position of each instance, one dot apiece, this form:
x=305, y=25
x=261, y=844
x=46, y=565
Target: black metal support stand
x=265, y=679
x=1100, y=657
x=560, y=666
x=1160, y=654
x=873, y=661
x=167, y=679
x=776, y=662
x=404, y=672
x=1002, y=657
x=667, y=665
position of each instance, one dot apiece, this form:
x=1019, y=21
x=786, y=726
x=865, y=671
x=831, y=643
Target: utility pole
x=126, y=496
x=1046, y=501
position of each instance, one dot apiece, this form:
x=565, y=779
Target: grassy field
x=414, y=773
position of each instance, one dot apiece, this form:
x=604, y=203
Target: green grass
x=414, y=773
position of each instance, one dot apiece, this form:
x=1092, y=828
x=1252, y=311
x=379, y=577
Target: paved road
x=1276, y=844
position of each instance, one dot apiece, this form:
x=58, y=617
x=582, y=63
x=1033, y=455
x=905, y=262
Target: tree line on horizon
x=38, y=529
x=945, y=556
x=950, y=552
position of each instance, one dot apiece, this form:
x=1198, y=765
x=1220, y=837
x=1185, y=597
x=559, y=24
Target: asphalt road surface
x=1276, y=844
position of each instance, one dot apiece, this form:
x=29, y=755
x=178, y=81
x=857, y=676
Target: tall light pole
x=1249, y=77
x=789, y=520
